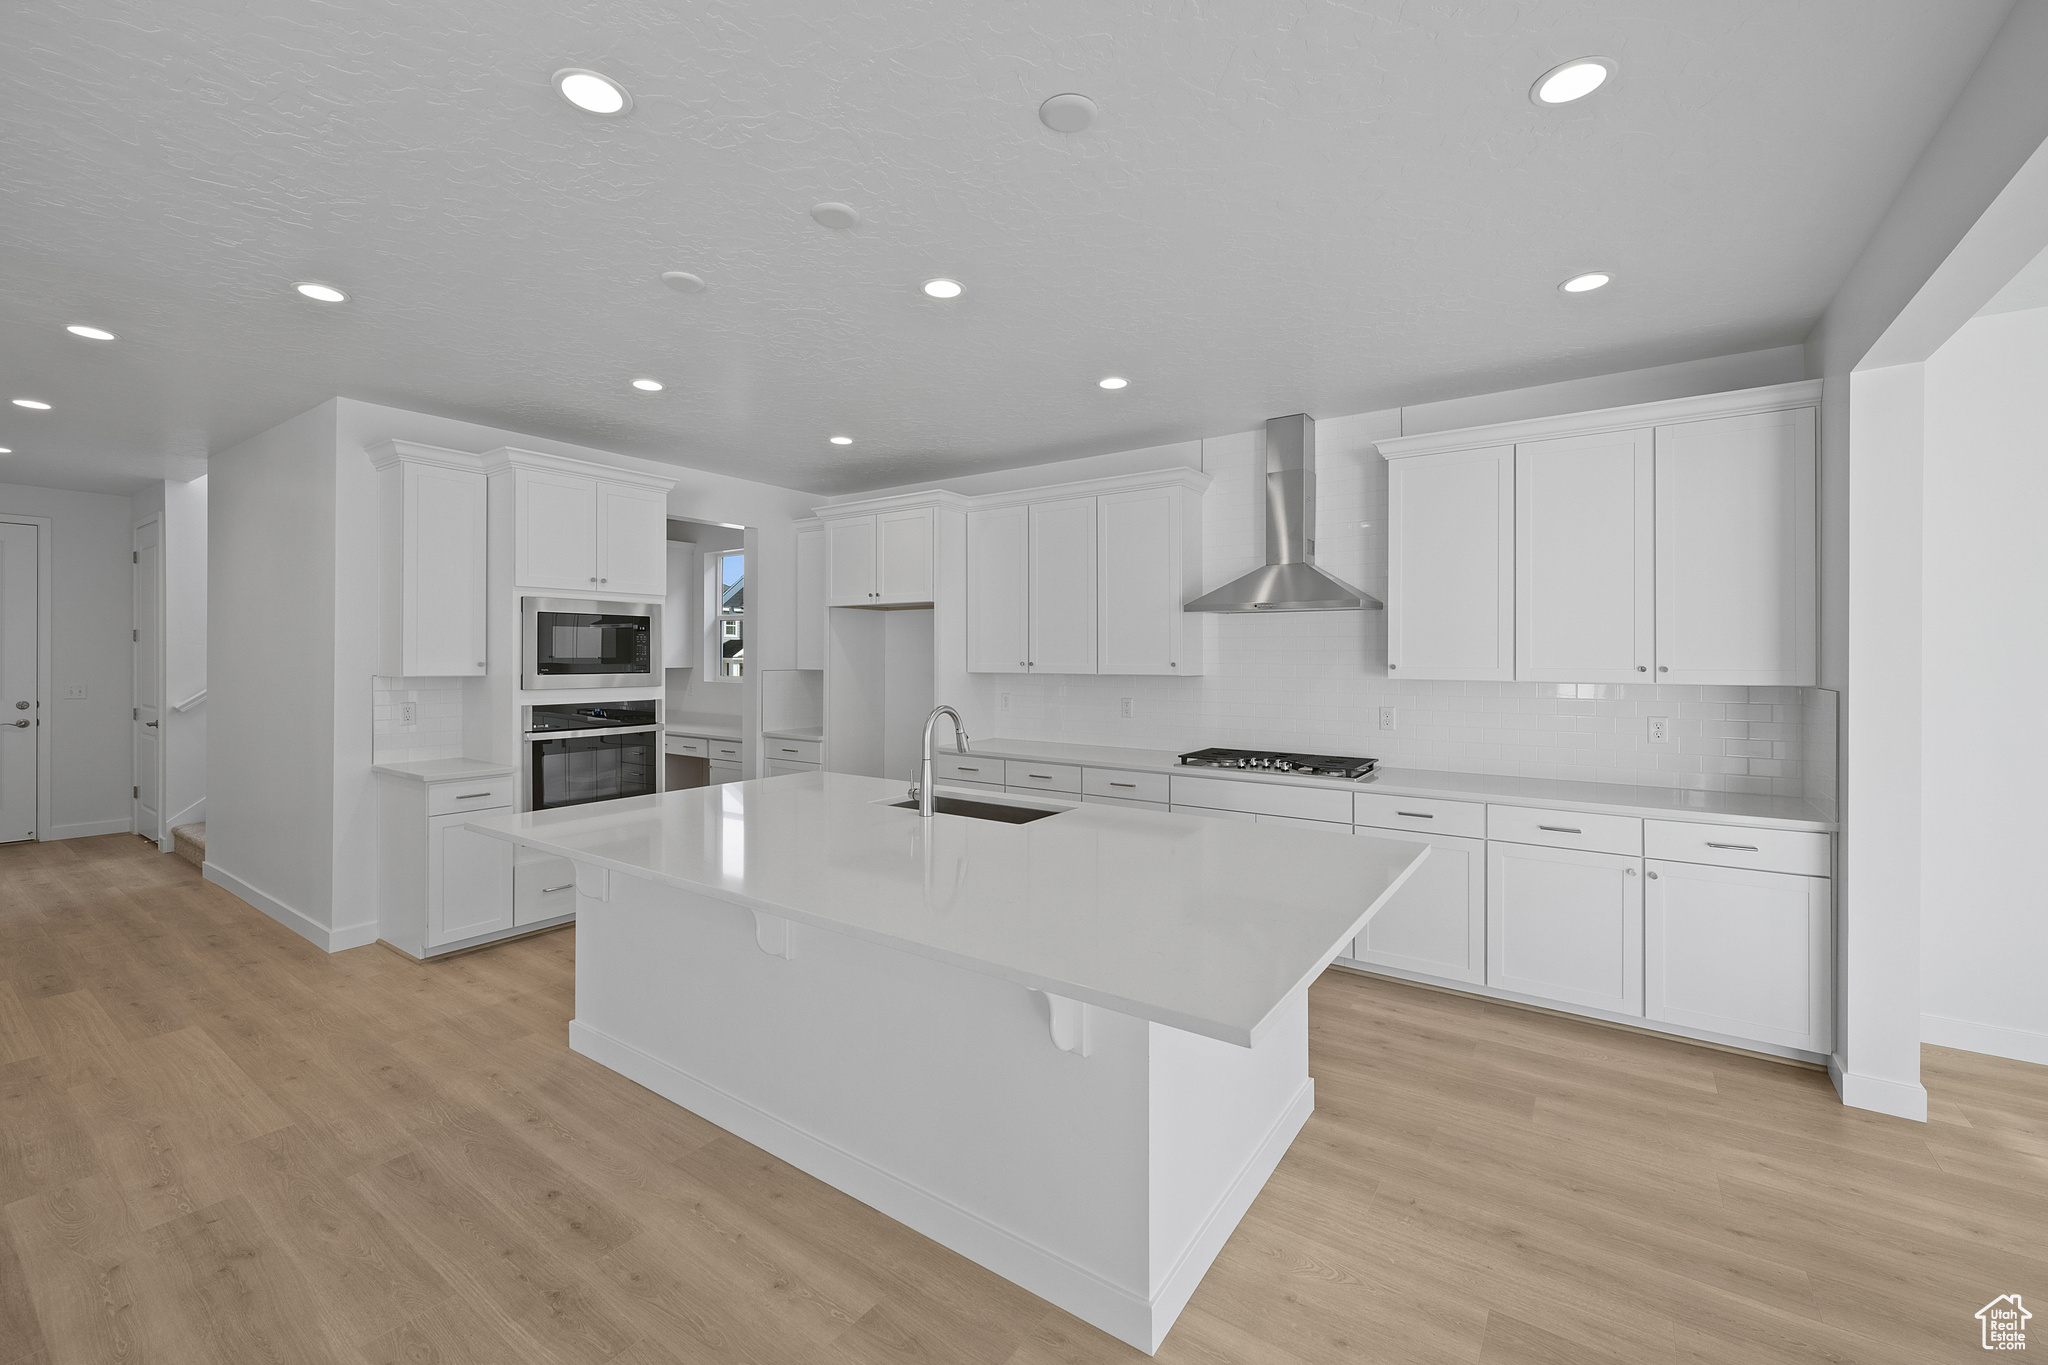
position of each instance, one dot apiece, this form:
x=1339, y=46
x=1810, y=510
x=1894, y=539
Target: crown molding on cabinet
x=510, y=457
x=1767, y=399
x=1194, y=480
x=931, y=497
x=388, y=453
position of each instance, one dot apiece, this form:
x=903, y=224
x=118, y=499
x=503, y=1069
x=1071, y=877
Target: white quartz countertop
x=444, y=769
x=1203, y=925
x=1613, y=798
x=705, y=724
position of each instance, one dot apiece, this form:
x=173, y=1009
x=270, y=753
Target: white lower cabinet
x=1566, y=925
x=725, y=772
x=1129, y=802
x=543, y=887
x=1436, y=922
x=783, y=767
x=1744, y=953
x=473, y=873
x=438, y=883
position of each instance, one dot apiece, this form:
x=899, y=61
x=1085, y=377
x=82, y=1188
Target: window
x=725, y=578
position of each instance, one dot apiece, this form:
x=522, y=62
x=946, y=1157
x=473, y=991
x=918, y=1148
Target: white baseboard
x=1116, y=1310
x=1880, y=1096
x=1994, y=1040
x=328, y=940
x=86, y=829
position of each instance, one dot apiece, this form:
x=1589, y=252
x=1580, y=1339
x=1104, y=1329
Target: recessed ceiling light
x=1586, y=283
x=683, y=282
x=1067, y=113
x=835, y=215
x=942, y=289
x=1572, y=80
x=79, y=329
x=320, y=293
x=1112, y=382
x=647, y=385
x=842, y=440
x=593, y=92
x=35, y=403
x=6, y=450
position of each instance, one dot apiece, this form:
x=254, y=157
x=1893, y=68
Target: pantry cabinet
x=880, y=559
x=582, y=529
x=432, y=509
x=1565, y=924
x=1087, y=578
x=1669, y=542
x=1740, y=952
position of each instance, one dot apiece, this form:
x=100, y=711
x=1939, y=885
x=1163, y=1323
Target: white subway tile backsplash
x=436, y=731
x=1315, y=681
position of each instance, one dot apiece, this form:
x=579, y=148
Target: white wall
x=1985, y=658
x=180, y=512
x=270, y=671
x=91, y=769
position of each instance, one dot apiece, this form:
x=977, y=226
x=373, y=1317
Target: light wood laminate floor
x=218, y=1144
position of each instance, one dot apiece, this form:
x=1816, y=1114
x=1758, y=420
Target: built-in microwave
x=569, y=642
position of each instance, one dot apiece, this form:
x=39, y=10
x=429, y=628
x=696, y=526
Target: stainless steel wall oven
x=578, y=754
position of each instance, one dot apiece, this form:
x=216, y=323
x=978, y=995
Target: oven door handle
x=533, y=735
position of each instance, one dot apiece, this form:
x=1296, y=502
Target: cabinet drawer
x=1047, y=777
x=688, y=746
x=1565, y=829
x=543, y=887
x=1093, y=800
x=1460, y=819
x=463, y=798
x=1123, y=785
x=732, y=751
x=1303, y=803
x=1762, y=850
x=967, y=768
x=792, y=750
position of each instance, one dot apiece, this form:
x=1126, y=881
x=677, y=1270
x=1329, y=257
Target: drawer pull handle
x=1739, y=848
x=1043, y=777
x=472, y=796
x=789, y=751
x=1561, y=829
x=551, y=890
x=1415, y=815
x=1123, y=784
x=965, y=769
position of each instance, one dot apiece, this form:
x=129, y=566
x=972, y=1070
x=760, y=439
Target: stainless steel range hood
x=1290, y=580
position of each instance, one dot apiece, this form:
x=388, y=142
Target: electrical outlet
x=408, y=713
x=1386, y=718
x=74, y=692
x=1127, y=704
x=1660, y=729
x=1006, y=702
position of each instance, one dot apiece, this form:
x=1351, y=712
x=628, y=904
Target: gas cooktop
x=1274, y=761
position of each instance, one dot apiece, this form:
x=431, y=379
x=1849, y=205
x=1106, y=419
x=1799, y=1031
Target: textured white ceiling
x=1284, y=206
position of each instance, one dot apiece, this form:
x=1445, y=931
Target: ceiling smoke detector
x=593, y=92
x=683, y=282
x=835, y=215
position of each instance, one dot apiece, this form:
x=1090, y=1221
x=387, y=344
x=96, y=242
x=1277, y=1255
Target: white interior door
x=20, y=674
x=149, y=708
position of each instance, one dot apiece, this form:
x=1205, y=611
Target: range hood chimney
x=1290, y=580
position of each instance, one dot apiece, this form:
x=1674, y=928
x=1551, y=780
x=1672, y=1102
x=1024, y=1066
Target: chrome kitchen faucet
x=921, y=790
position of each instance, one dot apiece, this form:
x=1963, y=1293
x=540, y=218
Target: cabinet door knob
x=1663, y=668
x=1631, y=871
x=1642, y=668
x=1651, y=875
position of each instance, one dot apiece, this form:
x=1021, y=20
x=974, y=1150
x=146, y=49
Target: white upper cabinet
x=557, y=530
x=904, y=555
x=810, y=596
x=584, y=529
x=679, y=607
x=1735, y=550
x=632, y=542
x=1148, y=557
x=1670, y=542
x=1063, y=586
x=1585, y=596
x=850, y=559
x=1451, y=565
x=999, y=589
x=432, y=509
x=880, y=559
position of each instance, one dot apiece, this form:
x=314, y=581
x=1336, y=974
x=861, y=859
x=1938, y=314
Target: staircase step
x=189, y=841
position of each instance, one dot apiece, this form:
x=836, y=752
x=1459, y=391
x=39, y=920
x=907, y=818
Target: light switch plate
x=1127, y=705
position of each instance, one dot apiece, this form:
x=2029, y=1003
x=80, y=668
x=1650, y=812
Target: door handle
x=21, y=725
x=150, y=723
x=551, y=890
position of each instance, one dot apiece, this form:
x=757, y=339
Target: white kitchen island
x=1071, y=1050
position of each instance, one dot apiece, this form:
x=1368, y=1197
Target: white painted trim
x=506, y=458
x=86, y=829
x=161, y=611
x=1193, y=480
x=1896, y=1098
x=1993, y=1040
x=389, y=453
x=327, y=940
x=194, y=700
x=192, y=815
x=1118, y=1311
x=1770, y=398
x=926, y=497
x=45, y=801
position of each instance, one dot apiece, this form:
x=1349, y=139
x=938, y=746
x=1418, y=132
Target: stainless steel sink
x=981, y=810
